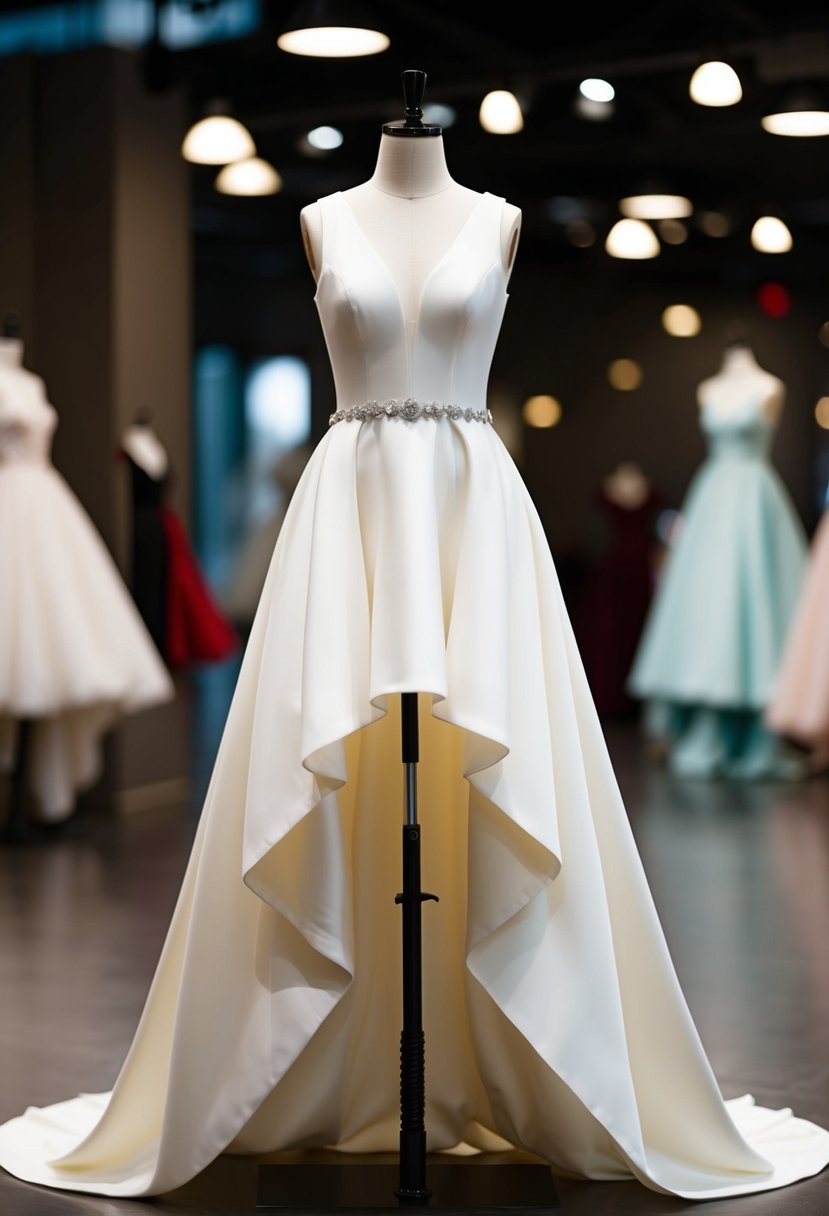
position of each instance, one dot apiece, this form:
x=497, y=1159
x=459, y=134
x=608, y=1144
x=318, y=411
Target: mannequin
x=610, y=610
x=713, y=639
x=410, y=192
x=17, y=830
x=74, y=656
x=627, y=485
x=143, y=445
x=412, y=564
x=741, y=379
x=168, y=585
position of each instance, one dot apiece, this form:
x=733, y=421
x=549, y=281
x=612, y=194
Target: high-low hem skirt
x=412, y=559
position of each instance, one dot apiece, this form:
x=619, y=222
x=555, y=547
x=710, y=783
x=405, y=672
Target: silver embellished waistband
x=409, y=408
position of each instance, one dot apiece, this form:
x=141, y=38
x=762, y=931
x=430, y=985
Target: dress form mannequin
x=739, y=379
x=627, y=485
x=143, y=445
x=17, y=830
x=412, y=212
x=411, y=192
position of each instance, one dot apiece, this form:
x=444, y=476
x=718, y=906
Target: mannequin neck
x=739, y=359
x=11, y=352
x=411, y=166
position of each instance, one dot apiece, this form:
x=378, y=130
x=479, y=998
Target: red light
x=774, y=299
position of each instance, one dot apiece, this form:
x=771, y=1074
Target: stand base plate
x=459, y=1187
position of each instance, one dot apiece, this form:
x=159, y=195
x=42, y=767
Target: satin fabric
x=715, y=632
x=412, y=558
x=75, y=655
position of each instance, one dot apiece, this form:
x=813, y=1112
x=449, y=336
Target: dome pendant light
x=803, y=113
x=217, y=139
x=332, y=29
x=629, y=238
x=715, y=84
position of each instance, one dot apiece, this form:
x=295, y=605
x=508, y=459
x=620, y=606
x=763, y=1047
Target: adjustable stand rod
x=412, y=1186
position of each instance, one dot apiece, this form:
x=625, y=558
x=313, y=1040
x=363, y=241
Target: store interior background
x=140, y=286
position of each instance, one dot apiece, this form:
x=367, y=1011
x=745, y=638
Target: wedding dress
x=74, y=653
x=412, y=558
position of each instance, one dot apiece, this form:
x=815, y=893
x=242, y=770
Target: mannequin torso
x=627, y=485
x=741, y=380
x=411, y=211
x=144, y=447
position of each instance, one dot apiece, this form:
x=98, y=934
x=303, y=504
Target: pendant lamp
x=332, y=29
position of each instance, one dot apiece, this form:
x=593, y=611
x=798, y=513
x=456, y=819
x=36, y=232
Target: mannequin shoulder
x=510, y=233
x=310, y=222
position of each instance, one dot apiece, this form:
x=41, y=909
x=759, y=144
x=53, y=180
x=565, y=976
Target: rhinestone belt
x=410, y=409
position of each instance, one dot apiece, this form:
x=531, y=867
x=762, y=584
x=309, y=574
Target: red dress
x=197, y=630
x=610, y=614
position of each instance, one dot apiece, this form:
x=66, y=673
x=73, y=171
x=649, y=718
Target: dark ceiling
x=720, y=158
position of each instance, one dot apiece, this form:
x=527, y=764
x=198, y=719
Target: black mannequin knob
x=414, y=86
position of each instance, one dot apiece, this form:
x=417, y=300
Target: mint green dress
x=713, y=638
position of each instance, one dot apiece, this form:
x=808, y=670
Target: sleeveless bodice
x=445, y=353
x=27, y=425
x=745, y=433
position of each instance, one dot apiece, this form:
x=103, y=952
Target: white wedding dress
x=412, y=558
x=75, y=655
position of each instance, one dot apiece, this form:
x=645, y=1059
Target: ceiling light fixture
x=217, y=139
x=500, y=113
x=770, y=235
x=325, y=139
x=595, y=89
x=656, y=206
x=332, y=29
x=681, y=321
x=251, y=177
x=801, y=113
x=630, y=238
x=715, y=84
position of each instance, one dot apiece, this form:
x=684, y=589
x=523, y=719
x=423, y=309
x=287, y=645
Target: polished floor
x=739, y=872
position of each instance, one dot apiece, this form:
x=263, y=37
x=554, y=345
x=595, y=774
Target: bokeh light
x=625, y=375
x=681, y=321
x=774, y=299
x=541, y=410
x=822, y=413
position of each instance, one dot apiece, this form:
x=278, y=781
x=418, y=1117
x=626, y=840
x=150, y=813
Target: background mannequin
x=148, y=464
x=611, y=609
x=713, y=638
x=74, y=653
x=168, y=584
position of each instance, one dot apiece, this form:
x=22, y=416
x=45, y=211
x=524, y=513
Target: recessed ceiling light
x=436, y=114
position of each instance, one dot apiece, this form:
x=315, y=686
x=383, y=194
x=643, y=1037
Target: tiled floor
x=740, y=875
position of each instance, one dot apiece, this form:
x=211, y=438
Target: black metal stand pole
x=15, y=831
x=412, y=1040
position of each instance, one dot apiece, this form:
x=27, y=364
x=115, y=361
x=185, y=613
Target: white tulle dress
x=75, y=655
x=412, y=558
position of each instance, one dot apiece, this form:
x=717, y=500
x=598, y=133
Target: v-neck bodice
x=445, y=353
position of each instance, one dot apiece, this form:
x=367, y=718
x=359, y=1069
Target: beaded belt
x=410, y=409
